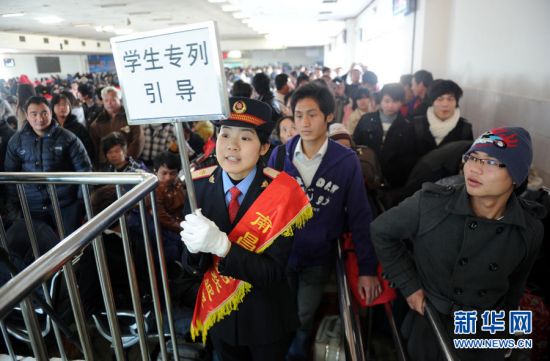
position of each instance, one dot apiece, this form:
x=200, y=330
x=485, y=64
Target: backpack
x=370, y=167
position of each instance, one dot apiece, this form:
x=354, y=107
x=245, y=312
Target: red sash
x=280, y=208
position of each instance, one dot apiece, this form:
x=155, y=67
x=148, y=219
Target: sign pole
x=182, y=146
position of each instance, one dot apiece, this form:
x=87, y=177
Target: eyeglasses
x=493, y=164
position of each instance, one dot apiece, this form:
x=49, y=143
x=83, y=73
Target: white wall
x=497, y=50
x=35, y=43
x=378, y=39
x=431, y=38
x=340, y=52
x=26, y=64
x=293, y=56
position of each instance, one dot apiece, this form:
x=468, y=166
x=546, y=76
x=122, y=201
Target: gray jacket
x=461, y=261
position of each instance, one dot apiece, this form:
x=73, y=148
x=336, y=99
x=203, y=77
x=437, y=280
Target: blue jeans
x=309, y=284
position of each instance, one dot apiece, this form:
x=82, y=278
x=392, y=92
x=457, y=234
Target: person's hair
x=263, y=135
x=278, y=124
x=110, y=89
x=319, y=93
x=205, y=130
x=12, y=121
x=86, y=90
x=102, y=198
x=57, y=99
x=302, y=77
x=394, y=91
x=36, y=100
x=168, y=159
x=406, y=80
x=112, y=139
x=281, y=80
x=98, y=92
x=424, y=77
x=359, y=93
x=369, y=77
x=72, y=99
x=441, y=87
x=260, y=82
x=326, y=69
x=241, y=89
x=24, y=92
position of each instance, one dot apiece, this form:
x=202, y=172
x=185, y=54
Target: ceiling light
x=325, y=12
x=6, y=50
x=99, y=29
x=139, y=13
x=216, y=1
x=246, y=20
x=108, y=28
x=12, y=15
x=81, y=25
x=49, y=20
x=161, y=19
x=230, y=8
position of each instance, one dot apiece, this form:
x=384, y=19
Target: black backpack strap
x=280, y=157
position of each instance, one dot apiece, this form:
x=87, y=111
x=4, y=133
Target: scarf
x=440, y=128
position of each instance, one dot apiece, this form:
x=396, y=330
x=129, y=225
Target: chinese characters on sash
x=249, y=241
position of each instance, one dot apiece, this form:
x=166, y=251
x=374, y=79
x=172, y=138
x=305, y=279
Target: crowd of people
x=314, y=153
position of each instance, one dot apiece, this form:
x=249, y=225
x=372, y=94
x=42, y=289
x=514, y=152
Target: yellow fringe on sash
x=299, y=221
x=232, y=303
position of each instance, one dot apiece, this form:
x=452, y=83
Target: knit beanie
x=338, y=131
x=511, y=146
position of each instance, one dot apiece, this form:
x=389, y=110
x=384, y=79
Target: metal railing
x=61, y=257
x=349, y=313
x=439, y=331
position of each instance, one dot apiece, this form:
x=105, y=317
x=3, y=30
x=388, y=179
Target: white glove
x=202, y=235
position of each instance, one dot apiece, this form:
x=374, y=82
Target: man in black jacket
x=473, y=247
x=43, y=146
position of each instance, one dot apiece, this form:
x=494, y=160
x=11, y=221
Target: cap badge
x=239, y=107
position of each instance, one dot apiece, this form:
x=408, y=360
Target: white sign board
x=173, y=74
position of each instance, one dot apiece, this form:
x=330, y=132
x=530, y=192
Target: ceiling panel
x=281, y=20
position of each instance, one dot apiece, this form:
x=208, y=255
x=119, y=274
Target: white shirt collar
x=320, y=153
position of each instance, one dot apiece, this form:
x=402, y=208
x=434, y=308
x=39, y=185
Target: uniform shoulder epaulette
x=271, y=173
x=438, y=189
x=204, y=172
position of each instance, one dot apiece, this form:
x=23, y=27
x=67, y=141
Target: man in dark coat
x=473, y=245
x=43, y=146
